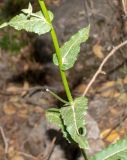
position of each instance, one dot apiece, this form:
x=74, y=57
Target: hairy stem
x=57, y=49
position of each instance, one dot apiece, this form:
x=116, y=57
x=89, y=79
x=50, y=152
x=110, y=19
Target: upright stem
x=57, y=49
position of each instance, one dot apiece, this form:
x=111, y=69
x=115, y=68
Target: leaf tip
x=4, y=25
x=28, y=10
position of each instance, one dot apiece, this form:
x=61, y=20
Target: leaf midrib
x=74, y=116
x=64, y=57
x=115, y=153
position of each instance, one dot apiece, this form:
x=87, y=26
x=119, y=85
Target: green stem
x=57, y=48
x=57, y=97
x=84, y=154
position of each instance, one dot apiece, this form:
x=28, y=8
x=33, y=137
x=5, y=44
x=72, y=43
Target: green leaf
x=117, y=151
x=31, y=22
x=36, y=23
x=53, y=116
x=74, y=119
x=69, y=51
x=3, y=25
x=29, y=10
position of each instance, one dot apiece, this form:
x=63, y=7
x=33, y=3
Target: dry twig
x=50, y=151
x=27, y=155
x=5, y=140
x=51, y=148
x=102, y=64
x=124, y=3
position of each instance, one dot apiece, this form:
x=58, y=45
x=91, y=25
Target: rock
x=36, y=141
x=93, y=136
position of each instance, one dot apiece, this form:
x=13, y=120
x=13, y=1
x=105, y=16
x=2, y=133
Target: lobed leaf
x=53, y=116
x=69, y=51
x=74, y=119
x=31, y=22
x=117, y=151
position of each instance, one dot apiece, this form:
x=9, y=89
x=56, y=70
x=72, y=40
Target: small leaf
x=3, y=25
x=74, y=119
x=29, y=10
x=117, y=151
x=36, y=24
x=69, y=51
x=53, y=116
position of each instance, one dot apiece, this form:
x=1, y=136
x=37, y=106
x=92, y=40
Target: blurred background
x=26, y=70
